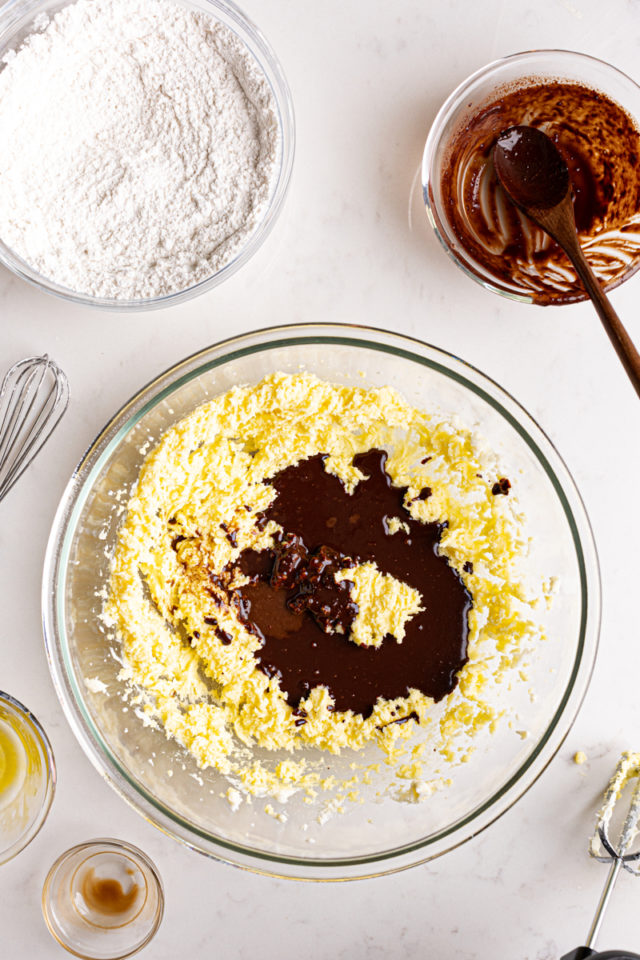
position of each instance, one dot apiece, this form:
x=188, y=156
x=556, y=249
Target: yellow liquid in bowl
x=13, y=764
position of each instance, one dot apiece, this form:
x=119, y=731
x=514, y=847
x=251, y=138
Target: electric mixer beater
x=621, y=854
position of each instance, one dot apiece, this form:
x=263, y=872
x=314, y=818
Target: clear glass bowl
x=478, y=90
x=27, y=792
x=103, y=900
x=16, y=23
x=376, y=837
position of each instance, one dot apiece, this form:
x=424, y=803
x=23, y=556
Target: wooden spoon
x=536, y=179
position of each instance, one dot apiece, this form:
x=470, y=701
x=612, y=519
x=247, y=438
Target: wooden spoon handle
x=622, y=342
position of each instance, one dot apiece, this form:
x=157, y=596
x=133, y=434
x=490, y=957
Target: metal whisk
x=619, y=853
x=33, y=397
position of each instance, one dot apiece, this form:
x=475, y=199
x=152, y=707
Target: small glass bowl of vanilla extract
x=103, y=900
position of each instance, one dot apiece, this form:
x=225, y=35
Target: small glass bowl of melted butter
x=103, y=900
x=592, y=112
x=27, y=777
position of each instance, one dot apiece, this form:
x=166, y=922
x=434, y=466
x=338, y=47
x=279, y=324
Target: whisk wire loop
x=33, y=397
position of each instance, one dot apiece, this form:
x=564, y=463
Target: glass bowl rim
x=446, y=111
x=262, y=51
x=50, y=776
x=63, y=530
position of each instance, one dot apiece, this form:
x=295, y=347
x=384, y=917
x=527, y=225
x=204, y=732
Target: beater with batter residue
x=623, y=853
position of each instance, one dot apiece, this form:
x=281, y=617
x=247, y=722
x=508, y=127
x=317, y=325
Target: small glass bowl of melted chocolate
x=590, y=111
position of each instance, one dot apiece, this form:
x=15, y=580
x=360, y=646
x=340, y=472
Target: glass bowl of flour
x=148, y=147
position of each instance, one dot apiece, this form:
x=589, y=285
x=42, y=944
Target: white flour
x=140, y=145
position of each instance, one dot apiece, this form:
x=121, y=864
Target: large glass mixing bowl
x=377, y=836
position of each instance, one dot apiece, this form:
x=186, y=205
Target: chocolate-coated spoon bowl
x=530, y=167
x=536, y=178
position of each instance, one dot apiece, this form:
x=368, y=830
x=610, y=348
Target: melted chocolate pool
x=303, y=616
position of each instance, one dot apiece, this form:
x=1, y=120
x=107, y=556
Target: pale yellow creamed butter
x=209, y=470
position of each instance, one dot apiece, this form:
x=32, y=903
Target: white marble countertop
x=353, y=245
